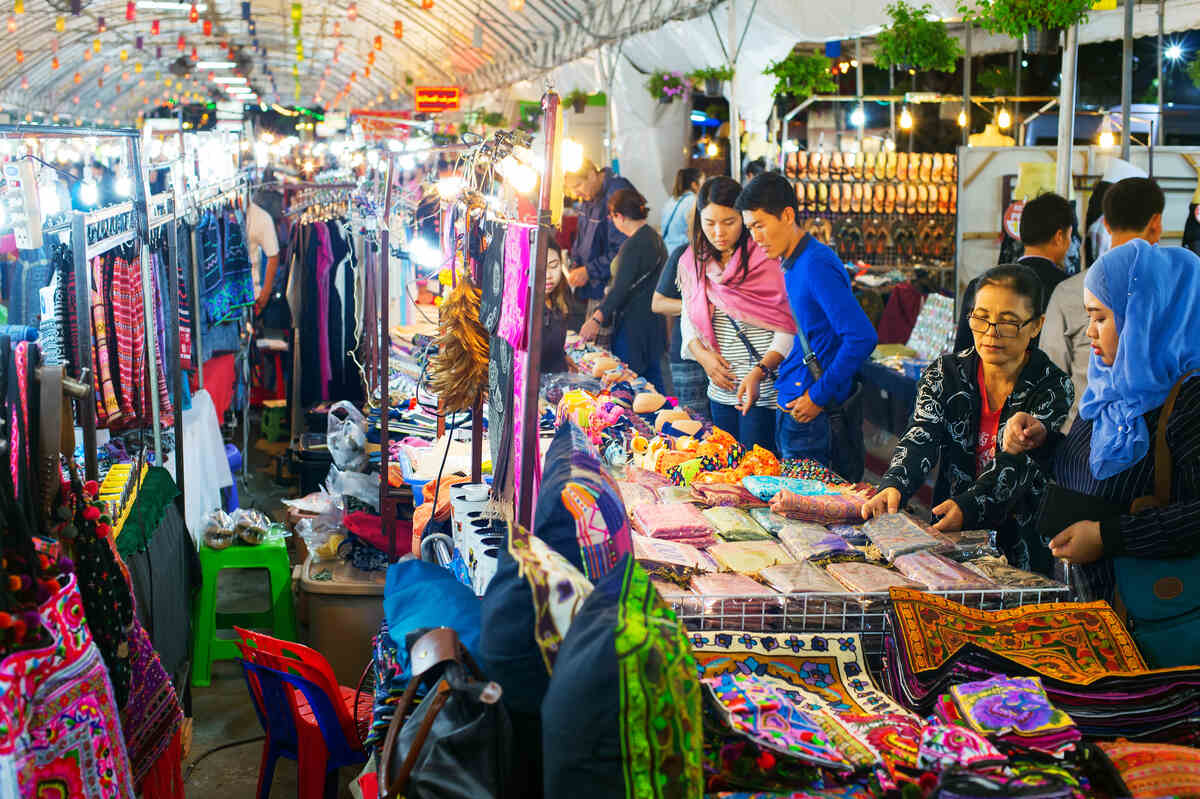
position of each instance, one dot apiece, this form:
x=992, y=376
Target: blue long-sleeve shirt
x=840, y=334
x=597, y=240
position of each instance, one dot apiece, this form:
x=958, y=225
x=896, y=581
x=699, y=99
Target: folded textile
x=867, y=578
x=767, y=487
x=1014, y=709
x=675, y=494
x=672, y=520
x=768, y=520
x=725, y=495
x=996, y=569
x=748, y=557
x=940, y=574
x=804, y=540
x=735, y=600
x=1155, y=770
x=825, y=508
x=735, y=524
x=670, y=560
x=682, y=600
x=808, y=469
x=898, y=534
x=962, y=545
x=946, y=746
x=800, y=577
x=634, y=495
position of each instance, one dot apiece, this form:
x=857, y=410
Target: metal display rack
x=864, y=614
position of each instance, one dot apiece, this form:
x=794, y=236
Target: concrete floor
x=223, y=712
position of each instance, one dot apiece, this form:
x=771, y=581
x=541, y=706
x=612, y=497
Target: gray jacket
x=1064, y=338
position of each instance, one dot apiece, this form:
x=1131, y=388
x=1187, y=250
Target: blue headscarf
x=1154, y=294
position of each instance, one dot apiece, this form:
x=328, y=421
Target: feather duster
x=458, y=374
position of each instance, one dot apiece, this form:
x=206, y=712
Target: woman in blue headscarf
x=1143, y=305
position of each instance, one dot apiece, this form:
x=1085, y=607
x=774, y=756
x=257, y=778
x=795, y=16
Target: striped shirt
x=1173, y=531
x=740, y=360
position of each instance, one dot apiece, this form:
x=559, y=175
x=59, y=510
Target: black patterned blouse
x=944, y=430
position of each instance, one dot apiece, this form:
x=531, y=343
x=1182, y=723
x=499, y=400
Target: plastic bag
x=346, y=437
x=250, y=525
x=359, y=492
x=216, y=527
x=317, y=531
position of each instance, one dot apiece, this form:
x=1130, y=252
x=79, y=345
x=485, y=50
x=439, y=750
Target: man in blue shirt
x=828, y=316
x=597, y=239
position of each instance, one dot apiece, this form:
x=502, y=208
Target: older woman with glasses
x=964, y=401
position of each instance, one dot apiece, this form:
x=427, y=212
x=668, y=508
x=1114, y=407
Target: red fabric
x=218, y=381
x=260, y=394
x=989, y=429
x=164, y=780
x=900, y=314
x=369, y=528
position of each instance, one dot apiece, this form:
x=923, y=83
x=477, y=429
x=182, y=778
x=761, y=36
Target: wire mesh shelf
x=865, y=614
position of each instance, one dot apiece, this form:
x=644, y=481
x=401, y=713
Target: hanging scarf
x=759, y=298
x=1154, y=294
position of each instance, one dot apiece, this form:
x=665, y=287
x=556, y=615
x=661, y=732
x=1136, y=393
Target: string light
x=962, y=118
x=516, y=5
x=130, y=11
x=60, y=24
x=12, y=24
x=193, y=14
x=20, y=56
x=398, y=29
x=153, y=27
x=906, y=119
x=96, y=44
x=87, y=54
x=1004, y=119
x=208, y=27
x=54, y=63
x=101, y=25
x=427, y=5
x=337, y=29
x=378, y=42
x=352, y=12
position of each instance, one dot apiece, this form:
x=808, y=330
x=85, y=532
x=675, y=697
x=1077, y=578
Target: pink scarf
x=759, y=299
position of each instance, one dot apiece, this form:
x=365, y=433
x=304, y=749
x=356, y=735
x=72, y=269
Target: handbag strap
x=1162, y=452
x=438, y=699
x=671, y=218
x=810, y=358
x=750, y=348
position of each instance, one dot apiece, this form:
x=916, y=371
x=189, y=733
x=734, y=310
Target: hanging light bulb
x=124, y=56
x=208, y=27
x=78, y=78
x=89, y=193
x=516, y=5
x=24, y=82
x=378, y=42
x=194, y=57
x=181, y=43
x=54, y=63
x=12, y=24
x=1004, y=119
x=60, y=24
x=962, y=118
x=130, y=11
x=153, y=27
x=906, y=119
x=87, y=54
x=337, y=29
x=137, y=68
x=20, y=56
x=427, y=5
x=398, y=29
x=107, y=68
x=352, y=12
x=371, y=57
x=101, y=25
x=193, y=14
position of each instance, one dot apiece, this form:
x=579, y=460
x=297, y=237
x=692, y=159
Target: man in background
x=1046, y=225
x=1133, y=209
x=597, y=240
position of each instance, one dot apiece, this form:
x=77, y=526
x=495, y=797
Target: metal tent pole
x=1126, y=80
x=858, y=93
x=1066, y=111
x=173, y=331
x=1159, y=136
x=966, y=131
x=735, y=123
x=83, y=352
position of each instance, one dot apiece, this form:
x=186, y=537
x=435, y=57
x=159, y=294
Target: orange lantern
x=378, y=42
x=78, y=78
x=398, y=29
x=193, y=14
x=208, y=27
x=427, y=4
x=54, y=63
x=153, y=27
x=352, y=12
x=20, y=56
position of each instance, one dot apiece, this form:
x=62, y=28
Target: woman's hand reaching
x=1023, y=433
x=886, y=501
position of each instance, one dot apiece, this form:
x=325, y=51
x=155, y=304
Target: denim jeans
x=803, y=440
x=756, y=427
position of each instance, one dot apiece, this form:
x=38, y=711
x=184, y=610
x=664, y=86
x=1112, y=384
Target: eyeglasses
x=1003, y=329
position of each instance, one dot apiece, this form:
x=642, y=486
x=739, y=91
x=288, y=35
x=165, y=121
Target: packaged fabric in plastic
x=964, y=545
x=683, y=600
x=675, y=494
x=767, y=487
x=940, y=574
x=1000, y=572
x=670, y=560
x=735, y=524
x=898, y=534
x=769, y=520
x=853, y=533
x=358, y=491
x=635, y=495
x=250, y=525
x=736, y=602
x=653, y=480
x=672, y=520
x=804, y=540
x=216, y=528
x=800, y=577
x=725, y=495
x=748, y=557
x=867, y=578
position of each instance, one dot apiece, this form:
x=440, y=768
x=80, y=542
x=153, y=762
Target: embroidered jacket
x=944, y=430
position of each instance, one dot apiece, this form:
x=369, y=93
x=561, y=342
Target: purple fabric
x=324, y=266
x=516, y=288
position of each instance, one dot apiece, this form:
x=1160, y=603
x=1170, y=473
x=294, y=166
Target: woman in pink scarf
x=736, y=322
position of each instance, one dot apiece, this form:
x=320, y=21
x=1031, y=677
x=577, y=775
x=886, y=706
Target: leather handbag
x=1161, y=596
x=458, y=742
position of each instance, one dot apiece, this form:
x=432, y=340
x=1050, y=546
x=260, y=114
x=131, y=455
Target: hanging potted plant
x=915, y=41
x=1037, y=22
x=577, y=100
x=997, y=80
x=800, y=76
x=666, y=86
x=712, y=79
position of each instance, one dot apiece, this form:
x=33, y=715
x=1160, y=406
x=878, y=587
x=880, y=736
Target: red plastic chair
x=312, y=744
x=315, y=667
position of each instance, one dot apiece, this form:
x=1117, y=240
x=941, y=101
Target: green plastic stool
x=274, y=420
x=280, y=619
